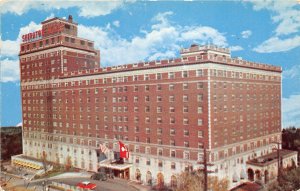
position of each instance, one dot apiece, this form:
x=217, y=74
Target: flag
x=123, y=150
x=103, y=148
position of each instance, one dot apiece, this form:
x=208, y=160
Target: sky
x=131, y=31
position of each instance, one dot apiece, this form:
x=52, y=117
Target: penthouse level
x=201, y=57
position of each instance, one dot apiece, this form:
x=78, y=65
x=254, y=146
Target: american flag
x=103, y=148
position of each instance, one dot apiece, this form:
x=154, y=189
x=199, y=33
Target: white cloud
x=236, y=48
x=292, y=73
x=161, y=41
x=291, y=111
x=161, y=19
x=246, y=33
x=116, y=23
x=205, y=35
x=275, y=44
x=86, y=8
x=10, y=71
x=10, y=48
x=286, y=15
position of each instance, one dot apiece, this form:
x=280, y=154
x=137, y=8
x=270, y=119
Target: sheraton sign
x=47, y=30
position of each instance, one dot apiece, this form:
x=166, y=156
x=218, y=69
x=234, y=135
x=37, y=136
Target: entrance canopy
x=115, y=166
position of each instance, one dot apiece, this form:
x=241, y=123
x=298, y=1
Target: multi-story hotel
x=166, y=111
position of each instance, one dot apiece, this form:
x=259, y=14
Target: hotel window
x=147, y=130
x=200, y=157
x=185, y=86
x=148, y=162
x=135, y=99
x=185, y=109
x=147, y=120
x=147, y=150
x=159, y=152
x=137, y=148
x=186, y=133
x=172, y=142
x=136, y=119
x=137, y=160
x=158, y=87
x=147, y=87
x=105, y=99
x=159, y=120
x=114, y=90
x=160, y=163
x=135, y=78
x=159, y=141
x=158, y=76
x=199, y=72
x=171, y=98
x=200, y=145
x=185, y=74
x=185, y=98
x=159, y=109
x=96, y=91
x=171, y=75
x=135, y=89
x=147, y=109
x=172, y=109
x=136, y=109
x=186, y=155
x=185, y=121
x=200, y=97
x=200, y=134
x=148, y=140
x=147, y=98
x=159, y=131
x=200, y=122
x=146, y=77
x=200, y=85
x=173, y=165
x=173, y=153
x=172, y=132
x=158, y=98
x=136, y=129
x=200, y=109
x=172, y=120
x=171, y=87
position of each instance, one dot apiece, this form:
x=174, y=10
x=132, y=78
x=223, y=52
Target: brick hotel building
x=165, y=111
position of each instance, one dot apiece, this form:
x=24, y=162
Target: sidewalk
x=139, y=186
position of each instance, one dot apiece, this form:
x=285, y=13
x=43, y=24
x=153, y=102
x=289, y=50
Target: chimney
x=70, y=19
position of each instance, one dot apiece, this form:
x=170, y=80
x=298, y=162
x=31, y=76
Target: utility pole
x=278, y=159
x=205, y=170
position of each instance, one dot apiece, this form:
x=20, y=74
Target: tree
x=194, y=181
x=190, y=181
x=217, y=185
x=289, y=180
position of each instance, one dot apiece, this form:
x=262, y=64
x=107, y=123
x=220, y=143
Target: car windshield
x=85, y=183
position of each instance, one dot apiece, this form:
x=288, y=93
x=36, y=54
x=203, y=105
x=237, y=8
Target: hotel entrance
x=115, y=170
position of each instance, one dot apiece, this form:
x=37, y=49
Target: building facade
x=165, y=111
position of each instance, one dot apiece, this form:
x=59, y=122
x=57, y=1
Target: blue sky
x=131, y=31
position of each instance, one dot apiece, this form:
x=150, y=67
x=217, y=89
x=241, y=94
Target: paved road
x=109, y=185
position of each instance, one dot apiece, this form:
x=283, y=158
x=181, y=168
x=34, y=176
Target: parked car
x=99, y=176
x=86, y=185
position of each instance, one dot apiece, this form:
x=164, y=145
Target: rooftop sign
x=47, y=30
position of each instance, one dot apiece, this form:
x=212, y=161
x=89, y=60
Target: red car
x=86, y=185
